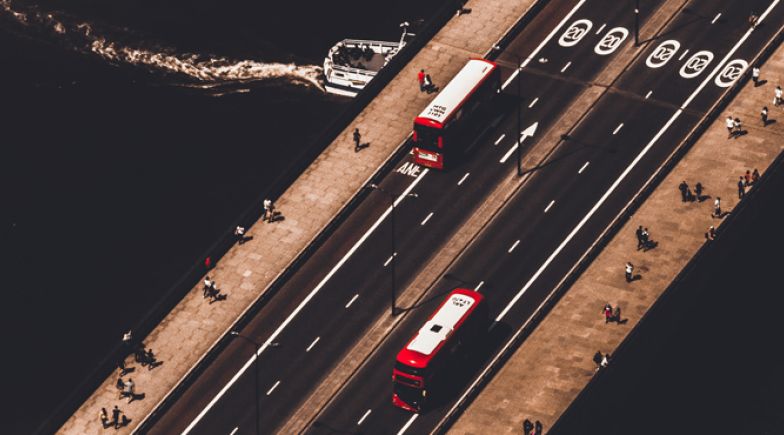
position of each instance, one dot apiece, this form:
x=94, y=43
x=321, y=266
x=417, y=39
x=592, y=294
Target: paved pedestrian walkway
x=555, y=362
x=246, y=271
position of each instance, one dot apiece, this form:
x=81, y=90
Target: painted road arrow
x=528, y=132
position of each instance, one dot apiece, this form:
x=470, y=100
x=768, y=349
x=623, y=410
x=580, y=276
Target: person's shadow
x=740, y=133
x=768, y=122
x=760, y=83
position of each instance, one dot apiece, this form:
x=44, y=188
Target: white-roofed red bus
x=456, y=324
x=439, y=130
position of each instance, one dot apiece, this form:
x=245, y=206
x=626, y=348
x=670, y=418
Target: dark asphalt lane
x=502, y=273
x=363, y=275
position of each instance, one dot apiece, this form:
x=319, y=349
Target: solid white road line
x=648, y=94
x=617, y=129
x=513, y=246
x=533, y=102
x=566, y=66
x=716, y=18
x=629, y=168
x=408, y=424
x=352, y=300
x=235, y=430
x=546, y=209
x=302, y=304
x=389, y=260
x=508, y=153
x=683, y=54
x=543, y=43
x=601, y=28
x=500, y=138
x=464, y=178
x=364, y=416
x=478, y=286
x=312, y=344
x=428, y=217
x=273, y=388
x=583, y=168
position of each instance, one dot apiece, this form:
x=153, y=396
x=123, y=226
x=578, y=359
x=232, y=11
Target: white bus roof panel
x=455, y=92
x=441, y=325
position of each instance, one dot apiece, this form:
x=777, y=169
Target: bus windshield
x=427, y=137
x=412, y=396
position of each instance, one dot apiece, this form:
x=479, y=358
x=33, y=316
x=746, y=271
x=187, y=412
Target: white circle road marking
x=731, y=73
x=662, y=53
x=575, y=33
x=611, y=41
x=696, y=64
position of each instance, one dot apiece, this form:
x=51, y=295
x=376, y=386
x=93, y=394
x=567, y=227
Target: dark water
x=709, y=358
x=134, y=133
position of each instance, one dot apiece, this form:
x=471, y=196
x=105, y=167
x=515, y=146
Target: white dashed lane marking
x=513, y=246
x=478, y=286
x=683, y=54
x=386, y=263
x=273, y=388
x=648, y=94
x=583, y=167
x=427, y=218
x=601, y=28
x=352, y=300
x=364, y=416
x=617, y=129
x=566, y=66
x=533, y=102
x=312, y=344
x=500, y=138
x=463, y=179
x=716, y=18
x=549, y=205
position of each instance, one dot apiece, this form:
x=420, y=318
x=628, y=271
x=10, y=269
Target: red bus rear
x=454, y=325
x=439, y=130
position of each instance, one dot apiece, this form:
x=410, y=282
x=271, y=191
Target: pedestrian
x=684, y=188
x=116, y=417
x=755, y=176
x=207, y=285
x=123, y=369
x=737, y=126
x=128, y=390
x=638, y=233
x=538, y=428
x=753, y=19
x=777, y=96
x=269, y=209
x=239, y=234
x=127, y=337
x=605, y=360
x=698, y=191
x=607, y=313
x=429, y=86
x=764, y=116
x=421, y=80
x=747, y=178
x=711, y=233
x=716, y=208
x=741, y=188
x=104, y=418
x=629, y=271
x=755, y=74
x=730, y=126
x=527, y=426
x=645, y=237
x=616, y=315
x=357, y=138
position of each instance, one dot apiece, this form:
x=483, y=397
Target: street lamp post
x=257, y=346
x=392, y=201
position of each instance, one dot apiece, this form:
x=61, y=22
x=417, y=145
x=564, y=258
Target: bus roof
x=452, y=96
x=456, y=308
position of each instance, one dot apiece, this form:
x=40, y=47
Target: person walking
x=597, y=358
x=128, y=390
x=104, y=418
x=716, y=208
x=629, y=271
x=730, y=126
x=527, y=427
x=755, y=75
x=607, y=313
x=357, y=139
x=741, y=188
x=239, y=234
x=755, y=176
x=711, y=233
x=777, y=96
x=538, y=428
x=116, y=417
x=764, y=116
x=605, y=361
x=421, y=80
x=616, y=315
x=429, y=86
x=269, y=209
x=684, y=188
x=736, y=125
x=753, y=19
x=698, y=191
x=638, y=233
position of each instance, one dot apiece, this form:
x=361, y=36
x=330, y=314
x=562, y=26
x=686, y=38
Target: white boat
x=352, y=63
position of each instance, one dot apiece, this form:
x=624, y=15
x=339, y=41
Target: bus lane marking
x=429, y=216
x=408, y=424
x=662, y=53
x=464, y=178
x=583, y=167
x=628, y=169
x=352, y=300
x=273, y=388
x=544, y=42
x=513, y=246
x=304, y=302
x=575, y=33
x=546, y=209
x=696, y=64
x=312, y=344
x=611, y=41
x=364, y=416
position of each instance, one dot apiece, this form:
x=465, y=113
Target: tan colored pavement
x=554, y=363
x=246, y=271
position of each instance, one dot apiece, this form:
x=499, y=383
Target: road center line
x=583, y=167
x=464, y=178
x=478, y=286
x=304, y=302
x=533, y=102
x=716, y=18
x=566, y=66
x=312, y=344
x=273, y=388
x=629, y=168
x=617, y=129
x=546, y=209
x=508, y=153
x=408, y=424
x=544, y=42
x=364, y=416
x=427, y=218
x=513, y=246
x=500, y=138
x=352, y=300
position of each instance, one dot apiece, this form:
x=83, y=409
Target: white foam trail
x=195, y=66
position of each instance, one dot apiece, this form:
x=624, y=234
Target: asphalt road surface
x=525, y=251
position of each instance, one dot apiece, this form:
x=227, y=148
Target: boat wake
x=208, y=70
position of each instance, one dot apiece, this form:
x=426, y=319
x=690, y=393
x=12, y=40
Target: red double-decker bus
x=439, y=131
x=460, y=319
